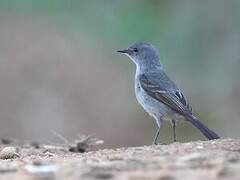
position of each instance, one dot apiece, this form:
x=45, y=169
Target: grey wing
x=161, y=88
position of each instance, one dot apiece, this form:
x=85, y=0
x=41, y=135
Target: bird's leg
x=156, y=137
x=157, y=133
x=174, y=130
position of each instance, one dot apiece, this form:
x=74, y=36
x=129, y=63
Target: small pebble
x=9, y=153
x=43, y=170
x=199, y=147
x=6, y=141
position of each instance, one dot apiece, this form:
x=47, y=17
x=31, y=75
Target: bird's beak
x=124, y=51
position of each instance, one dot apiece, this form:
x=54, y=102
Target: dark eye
x=135, y=50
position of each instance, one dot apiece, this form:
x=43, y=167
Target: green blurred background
x=59, y=70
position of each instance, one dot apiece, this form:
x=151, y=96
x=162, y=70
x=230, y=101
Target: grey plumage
x=157, y=93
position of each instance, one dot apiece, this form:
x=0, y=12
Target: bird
x=158, y=94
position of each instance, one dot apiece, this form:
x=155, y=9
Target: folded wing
x=161, y=88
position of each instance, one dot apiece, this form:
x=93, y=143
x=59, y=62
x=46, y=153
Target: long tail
x=204, y=129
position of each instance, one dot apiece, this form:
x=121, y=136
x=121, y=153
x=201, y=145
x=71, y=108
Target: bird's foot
x=156, y=144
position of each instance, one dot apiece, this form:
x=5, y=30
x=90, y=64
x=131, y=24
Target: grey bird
x=158, y=94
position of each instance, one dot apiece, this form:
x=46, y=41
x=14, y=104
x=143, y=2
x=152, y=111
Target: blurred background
x=59, y=70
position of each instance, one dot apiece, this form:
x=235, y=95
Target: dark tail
x=204, y=129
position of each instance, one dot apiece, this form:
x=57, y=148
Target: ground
x=219, y=159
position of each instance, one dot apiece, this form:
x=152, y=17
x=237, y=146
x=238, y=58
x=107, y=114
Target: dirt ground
x=218, y=159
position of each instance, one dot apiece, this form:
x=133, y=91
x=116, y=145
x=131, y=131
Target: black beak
x=124, y=51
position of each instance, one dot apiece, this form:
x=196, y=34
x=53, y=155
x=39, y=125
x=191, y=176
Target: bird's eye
x=135, y=50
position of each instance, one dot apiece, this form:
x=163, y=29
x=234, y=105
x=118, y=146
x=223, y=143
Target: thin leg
x=157, y=133
x=174, y=130
x=156, y=137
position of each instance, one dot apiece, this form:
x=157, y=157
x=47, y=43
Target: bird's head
x=142, y=54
